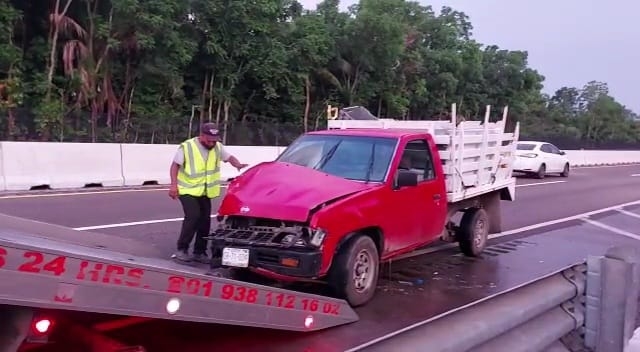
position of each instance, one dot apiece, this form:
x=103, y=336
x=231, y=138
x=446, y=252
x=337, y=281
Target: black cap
x=210, y=129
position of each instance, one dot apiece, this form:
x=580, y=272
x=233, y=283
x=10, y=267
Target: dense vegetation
x=144, y=71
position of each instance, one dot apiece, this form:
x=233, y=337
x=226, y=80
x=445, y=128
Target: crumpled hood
x=283, y=191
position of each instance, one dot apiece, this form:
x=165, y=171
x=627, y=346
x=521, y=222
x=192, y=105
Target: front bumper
x=293, y=262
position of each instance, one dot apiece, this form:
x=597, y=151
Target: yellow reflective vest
x=198, y=177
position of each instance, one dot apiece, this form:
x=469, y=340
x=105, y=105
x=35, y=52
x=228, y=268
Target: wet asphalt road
x=157, y=218
x=451, y=281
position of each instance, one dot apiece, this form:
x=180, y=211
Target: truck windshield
x=348, y=157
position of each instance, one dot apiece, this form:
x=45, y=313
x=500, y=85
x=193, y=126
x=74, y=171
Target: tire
x=342, y=278
x=565, y=172
x=542, y=171
x=473, y=232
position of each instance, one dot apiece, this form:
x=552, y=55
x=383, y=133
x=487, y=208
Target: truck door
x=425, y=205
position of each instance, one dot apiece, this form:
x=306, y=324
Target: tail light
x=528, y=155
x=42, y=326
x=40, y=329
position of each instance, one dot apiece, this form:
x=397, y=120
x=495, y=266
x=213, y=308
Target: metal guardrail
x=595, y=301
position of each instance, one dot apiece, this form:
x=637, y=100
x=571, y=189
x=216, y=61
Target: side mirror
x=406, y=179
x=562, y=152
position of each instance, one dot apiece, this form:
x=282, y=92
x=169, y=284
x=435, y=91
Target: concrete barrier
x=146, y=163
x=27, y=165
x=602, y=157
x=248, y=155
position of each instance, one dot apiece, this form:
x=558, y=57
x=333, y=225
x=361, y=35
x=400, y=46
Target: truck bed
x=477, y=156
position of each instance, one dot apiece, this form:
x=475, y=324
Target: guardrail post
x=613, y=285
x=14, y=327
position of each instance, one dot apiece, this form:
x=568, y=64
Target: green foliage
x=265, y=70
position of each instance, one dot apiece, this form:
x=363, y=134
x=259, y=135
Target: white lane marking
x=628, y=213
x=539, y=183
x=604, y=166
x=521, y=229
x=611, y=228
x=73, y=193
x=412, y=254
x=158, y=221
x=65, y=194
x=133, y=223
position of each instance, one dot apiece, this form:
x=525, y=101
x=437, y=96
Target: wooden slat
x=471, y=153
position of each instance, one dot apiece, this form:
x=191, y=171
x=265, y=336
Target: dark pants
x=197, y=220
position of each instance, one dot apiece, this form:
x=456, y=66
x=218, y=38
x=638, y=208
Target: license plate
x=238, y=257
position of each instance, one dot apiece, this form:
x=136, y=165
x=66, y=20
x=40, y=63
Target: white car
x=540, y=159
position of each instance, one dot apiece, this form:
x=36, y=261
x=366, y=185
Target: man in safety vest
x=195, y=180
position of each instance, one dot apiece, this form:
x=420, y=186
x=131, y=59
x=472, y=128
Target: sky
x=570, y=42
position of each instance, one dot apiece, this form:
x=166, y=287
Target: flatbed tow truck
x=59, y=289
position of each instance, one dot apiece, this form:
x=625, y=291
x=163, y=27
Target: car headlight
x=290, y=238
x=529, y=155
x=317, y=237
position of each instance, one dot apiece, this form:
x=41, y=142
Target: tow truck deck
x=41, y=270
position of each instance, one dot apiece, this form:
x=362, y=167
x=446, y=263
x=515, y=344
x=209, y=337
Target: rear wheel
x=354, y=273
x=473, y=232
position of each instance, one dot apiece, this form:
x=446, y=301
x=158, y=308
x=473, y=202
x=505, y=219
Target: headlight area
x=267, y=232
x=283, y=247
x=306, y=237
x=317, y=236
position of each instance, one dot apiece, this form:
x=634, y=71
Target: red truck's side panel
x=404, y=219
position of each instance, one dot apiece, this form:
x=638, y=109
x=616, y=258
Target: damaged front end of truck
x=264, y=222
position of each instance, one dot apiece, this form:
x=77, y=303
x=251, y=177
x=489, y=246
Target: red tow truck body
x=338, y=202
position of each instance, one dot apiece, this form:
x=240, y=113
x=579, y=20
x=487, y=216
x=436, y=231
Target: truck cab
x=333, y=206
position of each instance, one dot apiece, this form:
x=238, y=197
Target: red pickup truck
x=338, y=202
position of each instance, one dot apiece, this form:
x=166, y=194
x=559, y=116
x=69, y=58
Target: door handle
x=436, y=197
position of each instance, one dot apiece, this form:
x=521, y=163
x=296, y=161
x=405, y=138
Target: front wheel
x=542, y=171
x=354, y=273
x=565, y=172
x=473, y=232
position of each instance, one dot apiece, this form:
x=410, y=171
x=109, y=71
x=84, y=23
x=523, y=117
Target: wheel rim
x=478, y=233
x=363, y=271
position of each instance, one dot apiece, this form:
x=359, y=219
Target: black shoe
x=182, y=256
x=201, y=258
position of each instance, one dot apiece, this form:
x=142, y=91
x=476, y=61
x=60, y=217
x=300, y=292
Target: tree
x=265, y=70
